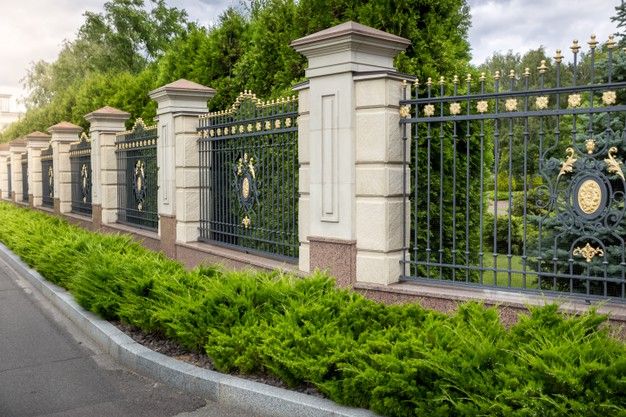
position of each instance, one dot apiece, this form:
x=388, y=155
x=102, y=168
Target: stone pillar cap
x=4, y=147
x=17, y=143
x=183, y=87
x=350, y=28
x=109, y=113
x=37, y=136
x=65, y=127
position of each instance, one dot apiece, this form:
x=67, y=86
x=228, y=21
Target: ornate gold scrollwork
x=590, y=145
x=588, y=252
x=246, y=221
x=589, y=196
x=405, y=112
x=614, y=165
x=568, y=165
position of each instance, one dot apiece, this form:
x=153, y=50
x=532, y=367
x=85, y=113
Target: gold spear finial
x=611, y=44
x=526, y=72
x=542, y=68
x=575, y=46
x=416, y=83
x=592, y=42
x=469, y=78
x=455, y=79
x=558, y=57
x=512, y=74
x=429, y=81
x=482, y=76
x=497, y=75
x=441, y=80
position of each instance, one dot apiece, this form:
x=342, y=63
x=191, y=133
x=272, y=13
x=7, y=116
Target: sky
x=32, y=30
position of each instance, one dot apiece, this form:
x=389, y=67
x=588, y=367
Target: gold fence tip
x=512, y=74
x=592, y=42
x=482, y=77
x=526, y=72
x=429, y=82
x=558, y=57
x=468, y=78
x=575, y=47
x=610, y=44
x=416, y=83
x=455, y=79
x=403, y=83
x=497, y=75
x=442, y=80
x=542, y=67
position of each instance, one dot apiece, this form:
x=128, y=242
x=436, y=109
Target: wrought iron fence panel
x=24, y=162
x=80, y=165
x=249, y=176
x=137, y=176
x=517, y=184
x=47, y=178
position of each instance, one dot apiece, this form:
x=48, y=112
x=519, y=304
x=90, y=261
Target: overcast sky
x=31, y=30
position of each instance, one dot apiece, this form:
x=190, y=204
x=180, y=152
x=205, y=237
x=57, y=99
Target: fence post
x=105, y=123
x=63, y=134
x=179, y=105
x=16, y=147
x=4, y=176
x=350, y=151
x=35, y=143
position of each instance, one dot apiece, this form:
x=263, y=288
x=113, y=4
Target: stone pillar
x=349, y=224
x=179, y=105
x=105, y=124
x=35, y=143
x=4, y=177
x=63, y=134
x=16, y=149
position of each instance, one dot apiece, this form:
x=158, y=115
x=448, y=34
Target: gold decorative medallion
x=246, y=221
x=245, y=188
x=455, y=108
x=589, y=196
x=258, y=126
x=288, y=122
x=482, y=106
x=588, y=252
x=590, y=145
x=541, y=102
x=574, y=100
x=405, y=112
x=249, y=128
x=609, y=97
x=510, y=104
x=614, y=166
x=429, y=110
x=268, y=125
x=277, y=124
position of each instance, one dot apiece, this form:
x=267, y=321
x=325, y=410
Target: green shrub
x=398, y=360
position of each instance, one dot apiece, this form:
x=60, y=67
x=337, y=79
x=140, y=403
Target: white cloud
x=520, y=25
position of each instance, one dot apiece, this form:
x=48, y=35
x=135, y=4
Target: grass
x=400, y=360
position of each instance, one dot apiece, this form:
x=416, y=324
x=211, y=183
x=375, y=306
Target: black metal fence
x=518, y=182
x=47, y=178
x=80, y=165
x=137, y=177
x=24, y=161
x=249, y=176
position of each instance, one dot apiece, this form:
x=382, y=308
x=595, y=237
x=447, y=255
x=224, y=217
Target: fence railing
x=80, y=165
x=24, y=162
x=136, y=152
x=249, y=176
x=520, y=186
x=47, y=178
x=9, y=185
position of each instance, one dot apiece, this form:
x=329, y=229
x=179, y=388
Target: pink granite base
x=336, y=256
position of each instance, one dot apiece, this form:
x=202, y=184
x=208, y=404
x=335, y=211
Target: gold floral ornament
x=455, y=108
x=589, y=196
x=574, y=100
x=482, y=106
x=219, y=132
x=510, y=104
x=588, y=252
x=614, y=166
x=405, y=112
x=609, y=97
x=249, y=127
x=541, y=102
x=246, y=221
x=258, y=126
x=268, y=125
x=212, y=132
x=233, y=130
x=277, y=124
x=241, y=129
x=568, y=165
x=429, y=110
x=288, y=122
x=590, y=145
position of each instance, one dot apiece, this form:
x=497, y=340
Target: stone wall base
x=57, y=206
x=167, y=225
x=96, y=216
x=335, y=256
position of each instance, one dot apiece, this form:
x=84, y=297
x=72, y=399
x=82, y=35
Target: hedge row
x=396, y=360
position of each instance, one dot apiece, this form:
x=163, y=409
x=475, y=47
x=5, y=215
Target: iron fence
x=24, y=162
x=137, y=176
x=47, y=178
x=9, y=185
x=520, y=185
x=80, y=165
x=249, y=176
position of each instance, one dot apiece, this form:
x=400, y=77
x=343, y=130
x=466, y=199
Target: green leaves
x=399, y=360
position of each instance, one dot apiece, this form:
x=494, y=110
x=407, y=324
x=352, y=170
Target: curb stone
x=255, y=397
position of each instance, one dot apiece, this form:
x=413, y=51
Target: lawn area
x=397, y=360
x=516, y=280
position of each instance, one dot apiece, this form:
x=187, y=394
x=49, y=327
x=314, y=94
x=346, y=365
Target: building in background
x=8, y=113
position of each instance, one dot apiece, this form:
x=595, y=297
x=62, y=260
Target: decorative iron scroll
x=80, y=165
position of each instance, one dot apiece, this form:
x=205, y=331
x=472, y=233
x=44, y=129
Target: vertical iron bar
x=482, y=184
x=496, y=163
x=510, y=185
x=441, y=144
x=467, y=181
x=454, y=145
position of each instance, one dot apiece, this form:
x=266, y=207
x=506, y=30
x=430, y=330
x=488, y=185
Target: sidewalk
x=50, y=368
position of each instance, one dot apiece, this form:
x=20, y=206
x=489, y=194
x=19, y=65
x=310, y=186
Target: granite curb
x=258, y=398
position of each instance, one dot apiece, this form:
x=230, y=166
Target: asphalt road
x=50, y=368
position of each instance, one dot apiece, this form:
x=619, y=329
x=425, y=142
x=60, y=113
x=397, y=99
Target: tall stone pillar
x=4, y=176
x=350, y=150
x=35, y=143
x=105, y=124
x=63, y=134
x=16, y=148
x=179, y=105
